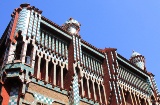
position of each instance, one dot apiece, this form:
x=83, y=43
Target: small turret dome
x=135, y=54
x=138, y=60
x=73, y=26
x=73, y=21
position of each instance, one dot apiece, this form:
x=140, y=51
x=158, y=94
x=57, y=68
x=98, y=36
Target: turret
x=138, y=60
x=72, y=26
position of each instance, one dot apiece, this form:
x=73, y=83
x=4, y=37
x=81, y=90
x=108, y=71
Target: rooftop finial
x=73, y=26
x=138, y=60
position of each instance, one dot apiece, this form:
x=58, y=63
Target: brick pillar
x=110, y=67
x=70, y=72
x=46, y=75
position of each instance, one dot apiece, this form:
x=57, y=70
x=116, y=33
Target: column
x=138, y=100
x=104, y=94
x=135, y=99
x=33, y=57
x=24, y=50
x=82, y=87
x=145, y=101
x=131, y=98
x=94, y=90
x=99, y=93
x=54, y=80
x=123, y=96
x=39, y=62
x=62, y=67
x=46, y=75
x=88, y=87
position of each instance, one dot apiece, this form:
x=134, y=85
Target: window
x=19, y=45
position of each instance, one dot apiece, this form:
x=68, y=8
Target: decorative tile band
x=13, y=96
x=44, y=99
x=49, y=86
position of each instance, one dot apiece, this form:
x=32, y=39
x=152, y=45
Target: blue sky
x=123, y=24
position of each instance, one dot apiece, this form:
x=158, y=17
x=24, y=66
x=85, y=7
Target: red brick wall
x=70, y=73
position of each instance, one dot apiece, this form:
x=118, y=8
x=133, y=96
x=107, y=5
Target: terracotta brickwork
x=83, y=103
x=29, y=97
x=47, y=92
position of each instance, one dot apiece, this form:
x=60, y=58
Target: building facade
x=42, y=63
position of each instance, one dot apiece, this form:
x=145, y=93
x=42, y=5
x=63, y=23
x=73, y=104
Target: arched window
x=29, y=54
x=43, y=68
x=97, y=91
x=153, y=100
x=91, y=89
x=78, y=72
x=102, y=94
x=65, y=71
x=128, y=98
x=36, y=66
x=142, y=102
x=58, y=75
x=85, y=87
x=50, y=71
x=19, y=46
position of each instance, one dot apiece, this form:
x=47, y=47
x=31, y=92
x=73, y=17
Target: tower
x=138, y=60
x=73, y=26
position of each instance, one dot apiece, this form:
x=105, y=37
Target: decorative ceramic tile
x=44, y=99
x=13, y=96
x=76, y=90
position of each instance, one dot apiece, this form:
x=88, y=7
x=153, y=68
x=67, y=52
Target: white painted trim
x=51, y=26
x=93, y=50
x=132, y=66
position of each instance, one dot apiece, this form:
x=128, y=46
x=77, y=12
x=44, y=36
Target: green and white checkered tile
x=76, y=90
x=44, y=99
x=13, y=96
